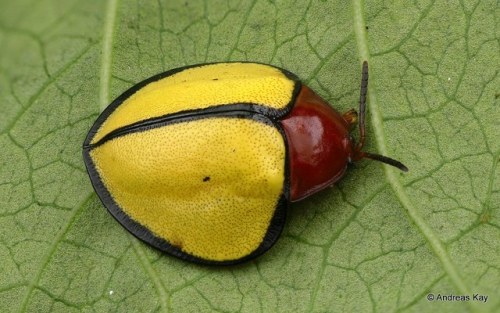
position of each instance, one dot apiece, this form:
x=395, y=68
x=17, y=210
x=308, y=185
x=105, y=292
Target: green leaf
x=379, y=241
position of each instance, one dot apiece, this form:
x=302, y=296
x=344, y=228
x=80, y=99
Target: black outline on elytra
x=255, y=112
x=182, y=115
x=252, y=107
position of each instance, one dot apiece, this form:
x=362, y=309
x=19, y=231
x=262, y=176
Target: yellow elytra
x=192, y=162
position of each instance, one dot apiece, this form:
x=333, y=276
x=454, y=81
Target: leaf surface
x=379, y=241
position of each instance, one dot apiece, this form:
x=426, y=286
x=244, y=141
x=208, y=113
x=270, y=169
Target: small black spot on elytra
x=215, y=79
x=366, y=27
x=177, y=244
x=207, y=178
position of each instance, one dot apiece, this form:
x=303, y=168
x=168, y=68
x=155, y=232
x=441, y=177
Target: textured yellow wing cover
x=203, y=86
x=193, y=162
x=208, y=186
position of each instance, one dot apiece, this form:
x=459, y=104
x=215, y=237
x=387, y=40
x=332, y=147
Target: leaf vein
x=107, y=47
x=146, y=264
x=64, y=230
x=376, y=118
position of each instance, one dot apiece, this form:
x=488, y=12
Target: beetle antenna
x=362, y=106
x=361, y=123
x=383, y=159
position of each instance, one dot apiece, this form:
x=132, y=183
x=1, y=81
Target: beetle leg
x=350, y=117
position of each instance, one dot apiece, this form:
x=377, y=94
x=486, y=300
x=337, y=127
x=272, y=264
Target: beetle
x=202, y=161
